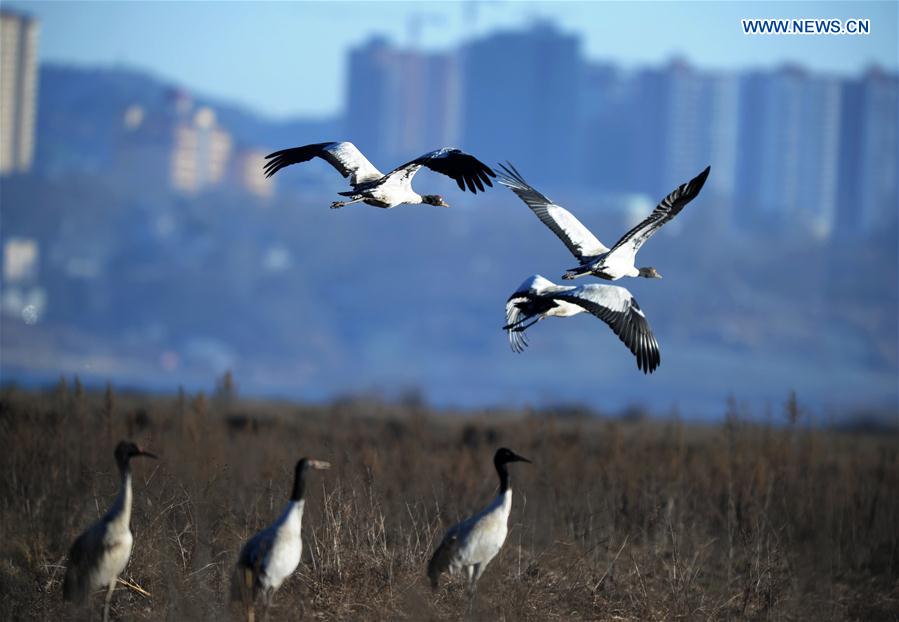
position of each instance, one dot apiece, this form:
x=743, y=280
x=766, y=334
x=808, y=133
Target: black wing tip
x=510, y=177
x=648, y=356
x=292, y=155
x=467, y=171
x=273, y=167
x=649, y=365
x=698, y=182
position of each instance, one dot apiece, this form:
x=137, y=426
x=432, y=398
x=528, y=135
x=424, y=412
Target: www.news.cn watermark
x=806, y=26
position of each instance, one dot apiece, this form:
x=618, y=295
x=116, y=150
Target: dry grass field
x=615, y=520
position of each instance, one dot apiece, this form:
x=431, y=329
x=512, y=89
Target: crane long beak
x=147, y=454
x=320, y=465
x=523, y=459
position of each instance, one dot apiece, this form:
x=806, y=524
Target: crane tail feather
x=440, y=560
x=74, y=587
x=243, y=584
x=434, y=573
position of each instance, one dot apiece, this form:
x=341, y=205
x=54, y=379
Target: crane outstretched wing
x=514, y=319
x=616, y=307
x=464, y=168
x=666, y=210
x=344, y=156
x=531, y=298
x=579, y=240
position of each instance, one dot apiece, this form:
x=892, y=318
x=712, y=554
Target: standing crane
x=100, y=554
x=272, y=555
x=471, y=544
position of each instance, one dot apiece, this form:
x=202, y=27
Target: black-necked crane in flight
x=471, y=544
x=594, y=257
x=538, y=298
x=373, y=187
x=99, y=555
x=272, y=555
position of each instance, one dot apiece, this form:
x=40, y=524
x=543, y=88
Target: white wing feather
x=579, y=240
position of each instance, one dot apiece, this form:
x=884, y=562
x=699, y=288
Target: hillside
x=157, y=290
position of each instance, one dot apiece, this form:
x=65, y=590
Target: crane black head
x=649, y=273
x=303, y=465
x=126, y=450
x=434, y=199
x=503, y=457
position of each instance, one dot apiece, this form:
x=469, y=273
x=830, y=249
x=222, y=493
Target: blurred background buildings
x=18, y=91
x=125, y=197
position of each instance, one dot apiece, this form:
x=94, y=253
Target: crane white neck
x=292, y=517
x=120, y=512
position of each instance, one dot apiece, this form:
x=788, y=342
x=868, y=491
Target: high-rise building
x=521, y=98
x=789, y=150
x=176, y=144
x=606, y=129
x=248, y=172
x=18, y=91
x=869, y=150
x=701, y=127
x=22, y=295
x=681, y=121
x=200, y=152
x=400, y=102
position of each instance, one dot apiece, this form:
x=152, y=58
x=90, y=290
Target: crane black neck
x=503, y=473
x=124, y=465
x=299, y=482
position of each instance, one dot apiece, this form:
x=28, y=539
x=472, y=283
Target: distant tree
x=108, y=410
x=792, y=410
x=78, y=403
x=225, y=392
x=197, y=419
x=62, y=388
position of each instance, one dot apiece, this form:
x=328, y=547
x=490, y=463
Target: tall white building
x=401, y=102
x=22, y=296
x=247, y=172
x=200, y=152
x=178, y=145
x=701, y=121
x=879, y=153
x=789, y=169
x=18, y=91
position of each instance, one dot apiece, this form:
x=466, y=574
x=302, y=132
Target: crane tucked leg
x=337, y=204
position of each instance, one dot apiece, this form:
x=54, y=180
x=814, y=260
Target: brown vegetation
x=634, y=520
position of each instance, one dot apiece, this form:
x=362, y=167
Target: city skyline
x=251, y=56
x=149, y=196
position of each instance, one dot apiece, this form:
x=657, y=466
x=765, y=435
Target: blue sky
x=288, y=58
